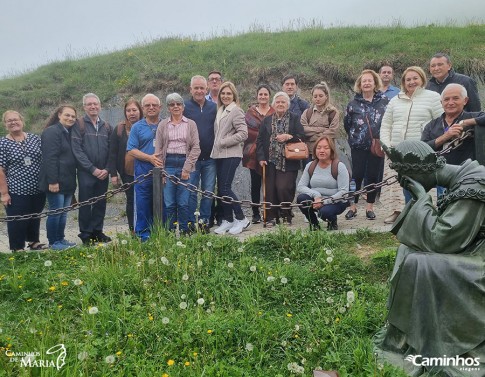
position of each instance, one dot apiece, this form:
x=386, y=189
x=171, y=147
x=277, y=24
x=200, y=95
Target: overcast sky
x=36, y=32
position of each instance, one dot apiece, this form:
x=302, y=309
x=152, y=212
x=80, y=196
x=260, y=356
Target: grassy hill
x=336, y=55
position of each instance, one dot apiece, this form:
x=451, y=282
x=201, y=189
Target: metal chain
x=226, y=199
x=108, y=194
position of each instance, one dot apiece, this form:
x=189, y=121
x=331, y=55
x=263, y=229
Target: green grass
x=270, y=301
x=336, y=55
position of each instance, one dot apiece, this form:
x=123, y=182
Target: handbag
x=375, y=146
x=296, y=151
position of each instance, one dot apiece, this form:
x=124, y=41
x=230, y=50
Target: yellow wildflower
x=209, y=331
x=52, y=288
x=170, y=362
x=187, y=363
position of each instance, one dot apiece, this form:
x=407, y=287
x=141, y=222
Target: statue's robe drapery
x=437, y=299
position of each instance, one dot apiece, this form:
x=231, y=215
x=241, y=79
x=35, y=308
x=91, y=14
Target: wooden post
x=157, y=196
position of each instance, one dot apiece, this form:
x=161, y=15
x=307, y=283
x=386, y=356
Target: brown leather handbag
x=296, y=151
x=375, y=147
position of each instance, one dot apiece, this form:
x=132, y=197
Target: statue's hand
x=414, y=187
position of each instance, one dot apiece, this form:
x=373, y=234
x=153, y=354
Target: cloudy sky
x=36, y=32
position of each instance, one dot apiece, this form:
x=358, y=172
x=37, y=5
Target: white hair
x=463, y=91
x=281, y=94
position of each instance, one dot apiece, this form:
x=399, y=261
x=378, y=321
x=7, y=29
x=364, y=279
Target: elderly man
x=203, y=113
x=90, y=146
x=436, y=320
x=215, y=81
x=297, y=104
x=441, y=131
x=386, y=73
x=443, y=74
x=141, y=146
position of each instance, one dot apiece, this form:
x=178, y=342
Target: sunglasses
x=173, y=104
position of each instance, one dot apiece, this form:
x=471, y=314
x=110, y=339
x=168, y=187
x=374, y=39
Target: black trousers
x=20, y=231
x=255, y=189
x=365, y=165
x=280, y=187
x=130, y=197
x=91, y=217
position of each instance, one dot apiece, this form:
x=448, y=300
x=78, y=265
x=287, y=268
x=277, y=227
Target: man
x=437, y=288
x=386, y=74
x=443, y=74
x=215, y=81
x=90, y=146
x=441, y=131
x=290, y=87
x=203, y=112
x=141, y=146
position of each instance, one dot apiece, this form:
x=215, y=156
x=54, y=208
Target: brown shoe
x=392, y=218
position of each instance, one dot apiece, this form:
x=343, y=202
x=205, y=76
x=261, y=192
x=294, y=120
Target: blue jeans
x=440, y=190
x=328, y=212
x=407, y=196
x=205, y=175
x=176, y=197
x=56, y=224
x=226, y=169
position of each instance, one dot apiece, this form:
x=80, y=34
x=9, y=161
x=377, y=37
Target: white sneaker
x=239, y=226
x=225, y=226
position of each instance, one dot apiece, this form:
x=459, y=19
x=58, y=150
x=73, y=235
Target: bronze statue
x=436, y=320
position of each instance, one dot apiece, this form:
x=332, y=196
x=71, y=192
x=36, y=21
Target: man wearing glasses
x=141, y=146
x=90, y=146
x=215, y=81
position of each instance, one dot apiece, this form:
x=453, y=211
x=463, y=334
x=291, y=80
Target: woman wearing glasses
x=20, y=158
x=177, y=146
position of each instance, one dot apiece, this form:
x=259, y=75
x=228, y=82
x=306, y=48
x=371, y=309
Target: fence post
x=157, y=195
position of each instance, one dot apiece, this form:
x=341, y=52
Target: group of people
x=205, y=138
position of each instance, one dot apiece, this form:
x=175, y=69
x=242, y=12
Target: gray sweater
x=322, y=184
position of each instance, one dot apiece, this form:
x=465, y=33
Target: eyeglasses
x=151, y=105
x=10, y=121
x=215, y=79
x=173, y=104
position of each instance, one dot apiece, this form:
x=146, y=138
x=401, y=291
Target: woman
x=404, y=119
x=58, y=172
x=119, y=161
x=177, y=146
x=254, y=118
x=318, y=184
x=20, y=158
x=276, y=130
x=321, y=118
x=362, y=122
x=230, y=132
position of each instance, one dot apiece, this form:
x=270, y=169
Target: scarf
x=276, y=150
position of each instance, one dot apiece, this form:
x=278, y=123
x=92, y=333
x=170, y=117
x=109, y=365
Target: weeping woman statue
x=436, y=320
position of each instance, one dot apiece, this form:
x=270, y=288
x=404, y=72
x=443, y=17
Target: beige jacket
x=230, y=132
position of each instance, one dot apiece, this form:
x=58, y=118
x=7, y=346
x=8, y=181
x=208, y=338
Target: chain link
x=227, y=199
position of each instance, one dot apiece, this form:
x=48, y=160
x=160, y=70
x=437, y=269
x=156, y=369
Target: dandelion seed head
x=199, y=263
x=240, y=249
x=200, y=301
x=151, y=261
x=124, y=242
x=342, y=309
x=110, y=359
x=328, y=252
x=81, y=356
x=249, y=347
x=131, y=252
x=183, y=297
x=230, y=265
x=185, y=277
x=183, y=305
x=270, y=278
x=329, y=300
x=179, y=243
x=284, y=280
x=286, y=260
x=329, y=259
x=165, y=320
x=77, y=282
x=93, y=310
x=48, y=263
x=164, y=261
x=252, y=268
x=209, y=244
x=350, y=297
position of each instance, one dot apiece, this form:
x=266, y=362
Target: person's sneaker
x=239, y=226
x=101, y=237
x=59, y=246
x=332, y=225
x=256, y=219
x=66, y=242
x=224, y=227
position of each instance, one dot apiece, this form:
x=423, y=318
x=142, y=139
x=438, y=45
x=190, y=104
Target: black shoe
x=88, y=241
x=332, y=225
x=256, y=219
x=101, y=237
x=370, y=215
x=204, y=227
x=350, y=214
x=314, y=227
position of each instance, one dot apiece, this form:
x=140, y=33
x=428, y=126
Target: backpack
x=333, y=169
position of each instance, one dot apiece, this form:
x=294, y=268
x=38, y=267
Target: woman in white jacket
x=404, y=119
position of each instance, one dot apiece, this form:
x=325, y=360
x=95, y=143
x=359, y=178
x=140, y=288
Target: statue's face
x=427, y=180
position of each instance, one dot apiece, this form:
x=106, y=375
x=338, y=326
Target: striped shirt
x=177, y=137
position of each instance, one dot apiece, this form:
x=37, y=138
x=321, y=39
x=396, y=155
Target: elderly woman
x=230, y=131
x=58, y=172
x=362, y=122
x=119, y=161
x=276, y=130
x=321, y=118
x=20, y=158
x=324, y=179
x=404, y=119
x=177, y=146
x=254, y=118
